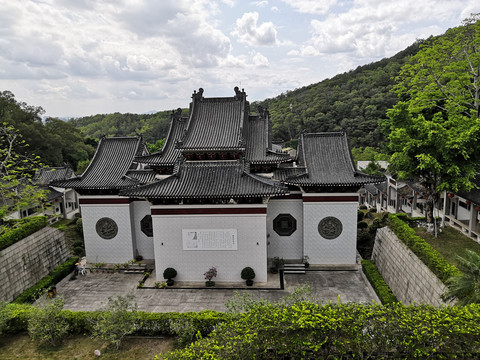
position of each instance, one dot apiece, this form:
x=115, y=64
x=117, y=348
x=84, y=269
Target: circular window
x=146, y=225
x=330, y=227
x=284, y=224
x=106, y=228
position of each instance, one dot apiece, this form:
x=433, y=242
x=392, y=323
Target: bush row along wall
x=24, y=263
x=17, y=230
x=407, y=276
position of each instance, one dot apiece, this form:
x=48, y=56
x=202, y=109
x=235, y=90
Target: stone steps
x=294, y=269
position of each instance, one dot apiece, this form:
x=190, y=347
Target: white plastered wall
x=338, y=251
x=286, y=247
x=144, y=243
x=116, y=250
x=192, y=264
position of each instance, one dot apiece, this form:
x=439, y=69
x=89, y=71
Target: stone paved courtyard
x=91, y=292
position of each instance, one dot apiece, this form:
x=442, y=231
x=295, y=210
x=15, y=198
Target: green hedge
x=21, y=229
x=34, y=292
x=343, y=331
x=306, y=330
x=425, y=252
x=379, y=285
x=151, y=324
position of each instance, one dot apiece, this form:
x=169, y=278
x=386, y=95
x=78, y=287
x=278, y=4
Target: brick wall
x=408, y=277
x=24, y=263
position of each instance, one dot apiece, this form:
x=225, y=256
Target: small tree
x=466, y=287
x=17, y=190
x=46, y=325
x=118, y=320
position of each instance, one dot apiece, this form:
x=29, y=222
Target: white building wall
x=338, y=251
x=116, y=250
x=192, y=264
x=144, y=243
x=286, y=247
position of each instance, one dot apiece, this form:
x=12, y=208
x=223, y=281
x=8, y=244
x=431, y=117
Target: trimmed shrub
x=425, y=252
x=247, y=273
x=169, y=273
x=20, y=229
x=379, y=285
x=360, y=215
x=362, y=225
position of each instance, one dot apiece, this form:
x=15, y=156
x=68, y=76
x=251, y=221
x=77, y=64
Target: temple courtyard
x=91, y=292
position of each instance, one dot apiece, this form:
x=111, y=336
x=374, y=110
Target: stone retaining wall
x=24, y=263
x=408, y=277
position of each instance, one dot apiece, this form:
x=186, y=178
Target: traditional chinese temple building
x=220, y=194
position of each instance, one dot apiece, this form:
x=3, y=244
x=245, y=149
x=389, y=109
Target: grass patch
x=449, y=243
x=20, y=346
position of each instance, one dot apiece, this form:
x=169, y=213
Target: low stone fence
x=407, y=276
x=24, y=263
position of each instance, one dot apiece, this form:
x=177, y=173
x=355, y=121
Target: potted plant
x=169, y=273
x=248, y=274
x=305, y=261
x=211, y=273
x=276, y=264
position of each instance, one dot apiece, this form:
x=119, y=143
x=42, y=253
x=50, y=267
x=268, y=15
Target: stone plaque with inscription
x=106, y=228
x=330, y=227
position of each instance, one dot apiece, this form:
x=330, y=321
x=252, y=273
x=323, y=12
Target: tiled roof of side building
x=215, y=124
x=170, y=151
x=109, y=166
x=203, y=179
x=257, y=147
x=46, y=175
x=328, y=162
x=474, y=194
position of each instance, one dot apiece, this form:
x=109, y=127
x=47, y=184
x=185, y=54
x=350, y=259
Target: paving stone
x=91, y=292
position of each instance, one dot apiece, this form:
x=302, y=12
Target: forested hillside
x=152, y=126
x=353, y=101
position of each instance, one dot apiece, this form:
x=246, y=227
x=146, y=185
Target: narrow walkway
x=91, y=292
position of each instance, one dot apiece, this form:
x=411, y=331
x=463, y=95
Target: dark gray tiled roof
x=146, y=176
x=328, y=162
x=215, y=124
x=371, y=189
x=46, y=175
x=109, y=166
x=382, y=187
x=208, y=179
x=53, y=194
x=170, y=151
x=257, y=143
x=474, y=194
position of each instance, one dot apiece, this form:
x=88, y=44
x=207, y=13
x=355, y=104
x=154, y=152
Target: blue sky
x=83, y=57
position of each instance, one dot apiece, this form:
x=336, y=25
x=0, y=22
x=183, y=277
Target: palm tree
x=465, y=287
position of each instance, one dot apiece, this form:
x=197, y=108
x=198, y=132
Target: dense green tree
x=434, y=131
x=118, y=320
x=465, y=288
x=46, y=325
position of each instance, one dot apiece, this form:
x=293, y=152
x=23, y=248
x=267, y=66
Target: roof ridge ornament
x=239, y=95
x=198, y=96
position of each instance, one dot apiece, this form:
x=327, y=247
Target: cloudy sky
x=83, y=57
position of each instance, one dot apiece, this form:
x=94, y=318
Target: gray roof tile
x=209, y=179
x=109, y=166
x=327, y=161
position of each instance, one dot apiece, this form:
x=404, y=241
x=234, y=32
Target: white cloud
x=252, y=34
x=370, y=28
x=259, y=60
x=311, y=6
